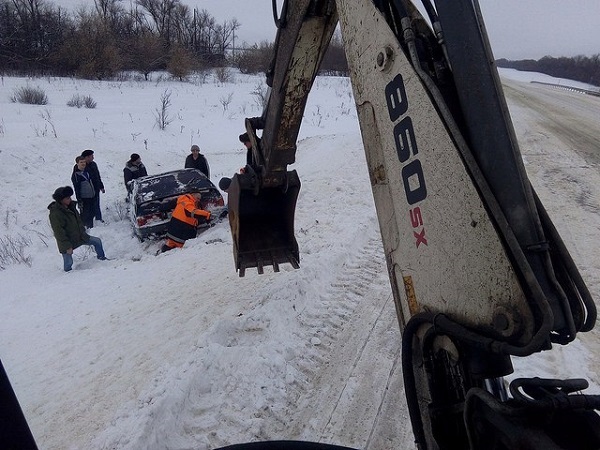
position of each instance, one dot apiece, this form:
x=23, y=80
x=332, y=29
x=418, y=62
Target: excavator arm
x=263, y=200
x=477, y=269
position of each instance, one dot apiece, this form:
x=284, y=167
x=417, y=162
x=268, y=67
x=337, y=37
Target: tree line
x=38, y=37
x=258, y=58
x=578, y=68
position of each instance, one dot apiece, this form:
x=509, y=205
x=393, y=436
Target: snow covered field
x=176, y=351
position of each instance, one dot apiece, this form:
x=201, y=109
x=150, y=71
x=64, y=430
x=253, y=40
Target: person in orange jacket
x=184, y=221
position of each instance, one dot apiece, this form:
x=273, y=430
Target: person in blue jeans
x=68, y=227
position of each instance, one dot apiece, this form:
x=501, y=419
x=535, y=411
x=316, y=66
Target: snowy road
x=570, y=116
x=559, y=136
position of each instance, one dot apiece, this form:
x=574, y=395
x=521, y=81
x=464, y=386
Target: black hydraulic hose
x=477, y=341
x=387, y=9
x=280, y=20
x=431, y=12
x=402, y=11
x=443, y=325
x=521, y=409
x=559, y=247
x=501, y=409
x=410, y=388
x=544, y=385
x=392, y=12
x=566, y=402
x=553, y=403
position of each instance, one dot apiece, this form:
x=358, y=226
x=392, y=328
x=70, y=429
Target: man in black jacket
x=94, y=172
x=245, y=139
x=134, y=169
x=197, y=160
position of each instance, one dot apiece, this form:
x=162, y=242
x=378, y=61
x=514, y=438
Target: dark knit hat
x=62, y=192
x=134, y=157
x=87, y=153
x=224, y=183
x=195, y=147
x=244, y=138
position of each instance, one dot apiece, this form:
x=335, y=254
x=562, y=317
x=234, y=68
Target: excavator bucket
x=262, y=223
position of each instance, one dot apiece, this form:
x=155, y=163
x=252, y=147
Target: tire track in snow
x=314, y=370
x=345, y=402
x=320, y=325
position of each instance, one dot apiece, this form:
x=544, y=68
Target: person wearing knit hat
x=244, y=138
x=68, y=228
x=196, y=160
x=84, y=191
x=92, y=168
x=134, y=168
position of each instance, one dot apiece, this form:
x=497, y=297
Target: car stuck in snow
x=153, y=198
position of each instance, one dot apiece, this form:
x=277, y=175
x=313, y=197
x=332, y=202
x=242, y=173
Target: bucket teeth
x=271, y=257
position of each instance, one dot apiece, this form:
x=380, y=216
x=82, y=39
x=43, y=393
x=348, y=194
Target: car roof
x=175, y=182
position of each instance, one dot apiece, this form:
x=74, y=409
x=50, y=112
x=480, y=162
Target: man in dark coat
x=68, y=228
x=225, y=182
x=84, y=191
x=245, y=139
x=197, y=160
x=94, y=172
x=134, y=168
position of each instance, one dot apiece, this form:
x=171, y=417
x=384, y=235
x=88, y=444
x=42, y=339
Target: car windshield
x=170, y=184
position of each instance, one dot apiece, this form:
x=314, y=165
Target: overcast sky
x=518, y=29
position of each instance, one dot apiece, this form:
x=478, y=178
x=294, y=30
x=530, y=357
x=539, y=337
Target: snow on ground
x=177, y=351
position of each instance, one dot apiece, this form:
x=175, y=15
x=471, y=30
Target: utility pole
x=233, y=42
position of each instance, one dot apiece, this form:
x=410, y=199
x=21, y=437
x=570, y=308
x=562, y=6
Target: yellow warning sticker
x=409, y=288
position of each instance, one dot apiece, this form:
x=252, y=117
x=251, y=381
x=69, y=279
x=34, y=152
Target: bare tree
x=147, y=53
x=256, y=58
x=203, y=26
x=29, y=31
x=226, y=33
x=181, y=25
x=93, y=48
x=109, y=11
x=161, y=12
x=162, y=113
x=334, y=60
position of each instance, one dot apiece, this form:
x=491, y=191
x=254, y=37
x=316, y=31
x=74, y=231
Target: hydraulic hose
x=280, y=20
x=571, y=269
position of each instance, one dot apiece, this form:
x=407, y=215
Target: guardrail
x=570, y=88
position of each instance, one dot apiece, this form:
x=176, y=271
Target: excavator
x=478, y=272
